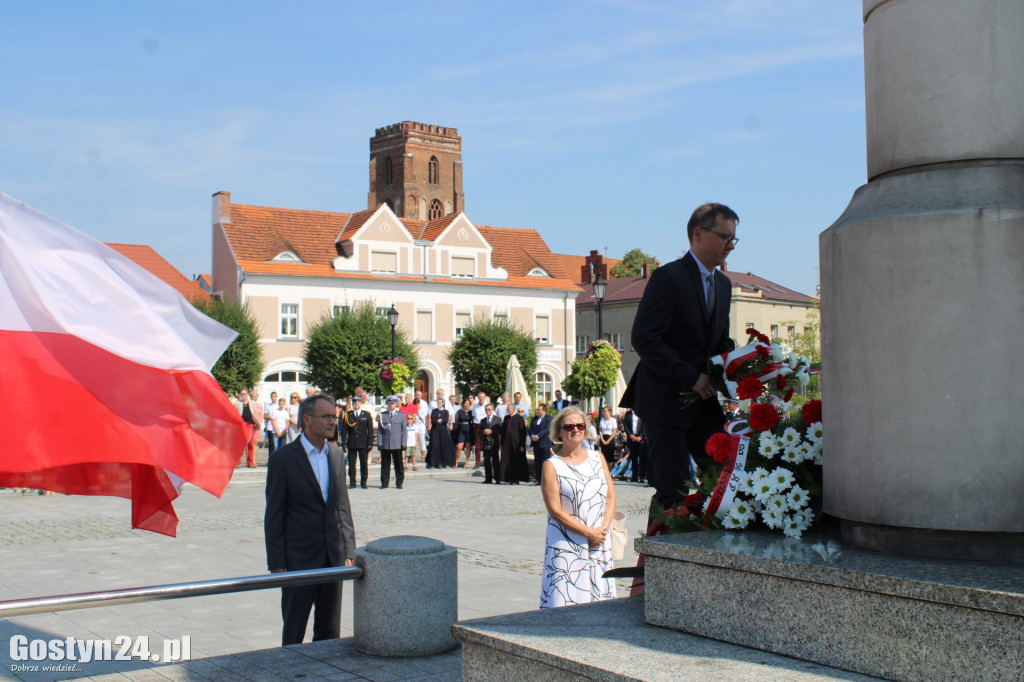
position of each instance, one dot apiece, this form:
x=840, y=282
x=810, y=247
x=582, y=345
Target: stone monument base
x=818, y=600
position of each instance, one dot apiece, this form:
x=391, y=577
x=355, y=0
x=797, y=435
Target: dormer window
x=464, y=268
x=538, y=272
x=287, y=257
x=432, y=171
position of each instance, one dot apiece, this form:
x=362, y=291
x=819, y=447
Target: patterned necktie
x=711, y=292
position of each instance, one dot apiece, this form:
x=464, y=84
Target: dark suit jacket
x=627, y=423
x=301, y=529
x=674, y=338
x=493, y=441
x=358, y=436
x=541, y=426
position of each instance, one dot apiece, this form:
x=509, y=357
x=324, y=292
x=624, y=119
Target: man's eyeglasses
x=328, y=417
x=573, y=427
x=729, y=239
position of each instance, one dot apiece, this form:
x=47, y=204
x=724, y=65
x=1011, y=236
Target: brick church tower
x=416, y=169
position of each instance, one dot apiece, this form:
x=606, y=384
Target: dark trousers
x=608, y=450
x=271, y=442
x=638, y=451
x=540, y=455
x=296, y=603
x=491, y=470
x=477, y=444
x=387, y=457
x=669, y=449
x=364, y=471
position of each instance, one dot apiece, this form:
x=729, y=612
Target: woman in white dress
x=580, y=499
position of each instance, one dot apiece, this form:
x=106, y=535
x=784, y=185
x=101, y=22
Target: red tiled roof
x=573, y=264
x=624, y=289
x=259, y=233
x=148, y=258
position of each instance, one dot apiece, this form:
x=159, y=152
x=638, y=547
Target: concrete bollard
x=407, y=600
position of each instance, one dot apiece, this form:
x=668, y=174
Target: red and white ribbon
x=720, y=500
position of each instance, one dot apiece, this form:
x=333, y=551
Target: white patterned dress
x=572, y=571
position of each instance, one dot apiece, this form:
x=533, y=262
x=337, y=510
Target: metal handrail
x=134, y=595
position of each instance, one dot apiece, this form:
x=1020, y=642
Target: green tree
x=633, y=264
x=241, y=365
x=808, y=342
x=479, y=359
x=594, y=374
x=348, y=350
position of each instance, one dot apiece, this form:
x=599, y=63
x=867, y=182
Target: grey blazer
x=391, y=430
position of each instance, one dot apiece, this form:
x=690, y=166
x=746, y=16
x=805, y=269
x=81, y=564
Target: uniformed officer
x=357, y=427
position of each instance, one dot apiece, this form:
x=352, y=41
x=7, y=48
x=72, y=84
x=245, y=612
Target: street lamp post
x=392, y=320
x=600, y=288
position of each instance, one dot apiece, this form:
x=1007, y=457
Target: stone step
x=610, y=641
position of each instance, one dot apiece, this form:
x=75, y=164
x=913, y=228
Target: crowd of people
x=409, y=431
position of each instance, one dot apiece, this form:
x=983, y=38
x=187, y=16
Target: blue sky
x=600, y=123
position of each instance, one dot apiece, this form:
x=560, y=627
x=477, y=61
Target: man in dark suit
x=540, y=438
x=682, y=320
x=558, y=403
x=490, y=442
x=308, y=521
x=357, y=432
x=636, y=441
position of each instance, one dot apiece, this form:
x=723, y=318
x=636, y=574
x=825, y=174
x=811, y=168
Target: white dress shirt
x=318, y=460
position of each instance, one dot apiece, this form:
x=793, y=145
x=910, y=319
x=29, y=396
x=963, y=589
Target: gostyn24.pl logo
x=122, y=648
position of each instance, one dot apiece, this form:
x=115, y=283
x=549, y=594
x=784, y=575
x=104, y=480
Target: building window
x=792, y=332
x=750, y=325
x=340, y=310
x=432, y=173
x=545, y=387
x=287, y=257
x=290, y=320
x=581, y=344
x=287, y=376
x=543, y=329
x=424, y=325
x=614, y=338
x=463, y=267
x=389, y=172
x=775, y=331
x=384, y=261
x=462, y=321
x=435, y=211
x=538, y=272
x=381, y=311
x=501, y=318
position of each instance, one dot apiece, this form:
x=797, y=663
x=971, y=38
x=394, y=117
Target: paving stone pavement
x=67, y=544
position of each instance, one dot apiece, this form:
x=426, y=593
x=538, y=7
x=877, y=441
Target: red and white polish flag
x=106, y=370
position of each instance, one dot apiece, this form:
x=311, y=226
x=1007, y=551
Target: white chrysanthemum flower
x=792, y=455
x=797, y=498
x=780, y=479
x=761, y=487
x=815, y=433
x=792, y=361
x=748, y=479
x=804, y=451
x=733, y=523
x=780, y=351
x=772, y=517
x=742, y=509
x=805, y=361
x=818, y=458
x=769, y=447
x=805, y=516
x=777, y=502
x=791, y=527
x=764, y=438
x=790, y=436
x=803, y=377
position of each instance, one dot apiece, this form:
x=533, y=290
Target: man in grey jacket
x=391, y=442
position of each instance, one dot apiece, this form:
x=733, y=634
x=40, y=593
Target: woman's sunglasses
x=573, y=427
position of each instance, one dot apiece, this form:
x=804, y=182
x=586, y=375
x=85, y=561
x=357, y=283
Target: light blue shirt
x=318, y=460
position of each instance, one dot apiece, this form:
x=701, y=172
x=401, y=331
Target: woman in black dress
x=463, y=433
x=441, y=452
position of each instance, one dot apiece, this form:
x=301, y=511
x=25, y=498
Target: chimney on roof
x=222, y=207
x=643, y=271
x=725, y=267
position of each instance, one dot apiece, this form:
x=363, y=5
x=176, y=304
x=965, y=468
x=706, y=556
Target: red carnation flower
x=763, y=351
x=811, y=411
x=789, y=394
x=751, y=387
x=763, y=417
x=719, y=448
x=781, y=382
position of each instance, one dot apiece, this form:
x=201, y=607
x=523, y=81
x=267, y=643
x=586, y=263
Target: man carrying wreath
x=682, y=320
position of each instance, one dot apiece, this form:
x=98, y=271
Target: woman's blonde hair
x=556, y=423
